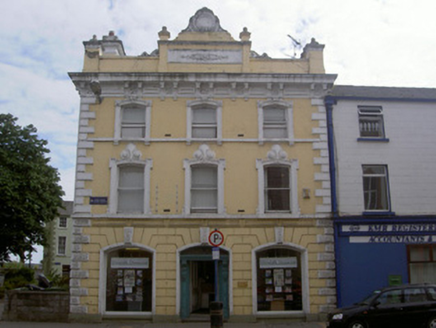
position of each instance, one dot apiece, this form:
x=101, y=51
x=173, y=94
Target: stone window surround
x=130, y=156
x=189, y=116
x=204, y=156
x=289, y=120
x=119, y=104
x=277, y=157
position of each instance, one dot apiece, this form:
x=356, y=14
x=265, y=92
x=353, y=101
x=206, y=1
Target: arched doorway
x=197, y=276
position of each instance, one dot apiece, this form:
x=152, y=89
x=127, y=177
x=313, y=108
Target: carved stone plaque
x=205, y=56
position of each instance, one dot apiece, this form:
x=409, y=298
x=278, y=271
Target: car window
x=432, y=293
x=414, y=295
x=390, y=297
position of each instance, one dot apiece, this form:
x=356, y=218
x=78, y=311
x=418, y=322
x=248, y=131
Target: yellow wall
x=241, y=180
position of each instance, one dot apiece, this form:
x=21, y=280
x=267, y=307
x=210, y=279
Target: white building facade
x=383, y=184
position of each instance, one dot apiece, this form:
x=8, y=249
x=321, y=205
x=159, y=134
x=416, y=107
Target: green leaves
x=30, y=194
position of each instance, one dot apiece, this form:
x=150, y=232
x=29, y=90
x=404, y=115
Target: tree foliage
x=30, y=194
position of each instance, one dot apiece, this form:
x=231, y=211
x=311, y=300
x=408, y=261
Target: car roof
x=407, y=286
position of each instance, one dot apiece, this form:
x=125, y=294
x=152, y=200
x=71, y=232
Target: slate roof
x=68, y=205
x=351, y=91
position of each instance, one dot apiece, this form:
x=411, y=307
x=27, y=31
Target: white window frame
x=372, y=113
x=64, y=246
x=206, y=160
x=274, y=159
x=288, y=107
x=146, y=104
x=191, y=106
x=114, y=166
x=386, y=180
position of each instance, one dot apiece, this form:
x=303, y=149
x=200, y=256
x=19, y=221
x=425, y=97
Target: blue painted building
x=382, y=159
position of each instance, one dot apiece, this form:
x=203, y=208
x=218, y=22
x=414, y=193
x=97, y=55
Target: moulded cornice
x=205, y=85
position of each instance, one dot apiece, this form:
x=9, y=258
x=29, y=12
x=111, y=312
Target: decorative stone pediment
x=204, y=20
x=277, y=154
x=204, y=154
x=131, y=153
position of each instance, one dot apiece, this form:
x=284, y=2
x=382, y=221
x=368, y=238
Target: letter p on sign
x=216, y=238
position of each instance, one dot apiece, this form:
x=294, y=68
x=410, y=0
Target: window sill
x=379, y=213
x=373, y=139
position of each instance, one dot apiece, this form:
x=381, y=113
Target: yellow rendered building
x=201, y=142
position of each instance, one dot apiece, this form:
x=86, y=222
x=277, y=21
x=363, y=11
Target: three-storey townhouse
x=383, y=187
x=202, y=134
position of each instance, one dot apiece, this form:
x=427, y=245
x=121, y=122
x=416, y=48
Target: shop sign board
x=277, y=262
x=130, y=263
x=411, y=233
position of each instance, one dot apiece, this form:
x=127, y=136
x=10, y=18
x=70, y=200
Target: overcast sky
x=367, y=42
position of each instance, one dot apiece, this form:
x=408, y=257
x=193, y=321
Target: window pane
x=204, y=132
x=432, y=293
x=62, y=222
x=278, y=200
x=204, y=123
x=423, y=273
x=204, y=177
x=275, y=132
x=374, y=169
x=277, y=191
x=133, y=122
x=132, y=177
x=129, y=286
x=414, y=295
x=375, y=194
x=375, y=188
x=204, y=189
x=419, y=253
x=277, y=177
x=131, y=190
x=130, y=201
x=279, y=280
x=204, y=115
x=390, y=297
x=133, y=115
x=133, y=131
x=204, y=201
x=273, y=115
x=62, y=242
x=274, y=123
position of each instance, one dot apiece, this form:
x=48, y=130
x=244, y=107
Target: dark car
x=408, y=306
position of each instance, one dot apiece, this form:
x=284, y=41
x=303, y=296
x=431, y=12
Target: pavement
x=21, y=324
x=136, y=324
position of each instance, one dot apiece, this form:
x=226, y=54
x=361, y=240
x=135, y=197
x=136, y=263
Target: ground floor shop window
x=129, y=280
x=279, y=280
x=422, y=263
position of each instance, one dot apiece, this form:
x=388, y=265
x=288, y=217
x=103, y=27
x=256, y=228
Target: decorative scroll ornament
x=204, y=153
x=130, y=153
x=277, y=154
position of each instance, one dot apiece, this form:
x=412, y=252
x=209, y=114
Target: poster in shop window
x=129, y=278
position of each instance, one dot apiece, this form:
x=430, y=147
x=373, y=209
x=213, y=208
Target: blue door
x=196, y=289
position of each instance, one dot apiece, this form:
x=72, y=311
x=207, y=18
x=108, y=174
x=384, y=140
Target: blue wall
x=364, y=267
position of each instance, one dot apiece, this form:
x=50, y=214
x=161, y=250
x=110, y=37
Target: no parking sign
x=216, y=238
